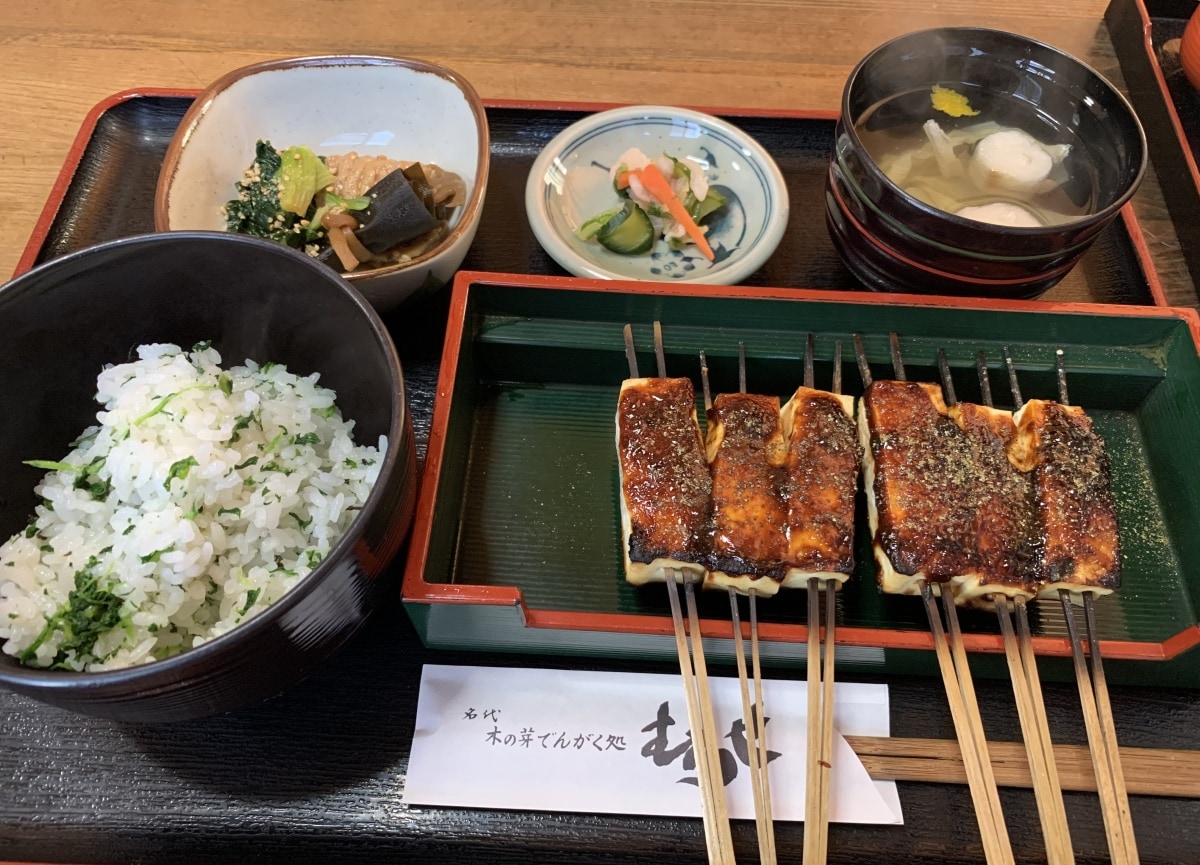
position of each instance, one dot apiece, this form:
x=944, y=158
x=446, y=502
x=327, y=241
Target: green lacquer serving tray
x=517, y=541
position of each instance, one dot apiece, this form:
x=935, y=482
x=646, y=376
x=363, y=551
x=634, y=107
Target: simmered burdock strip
x=917, y=470
x=746, y=451
x=819, y=485
x=665, y=484
x=1005, y=526
x=1072, y=479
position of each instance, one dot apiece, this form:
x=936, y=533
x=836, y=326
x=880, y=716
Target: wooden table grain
x=60, y=58
x=317, y=774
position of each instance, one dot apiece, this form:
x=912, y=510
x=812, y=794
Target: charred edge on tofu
x=820, y=485
x=749, y=517
x=666, y=483
x=923, y=482
x=1007, y=536
x=989, y=500
x=1073, y=480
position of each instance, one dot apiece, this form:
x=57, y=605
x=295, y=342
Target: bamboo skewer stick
x=956, y=677
x=1055, y=831
x=1108, y=730
x=1022, y=666
x=1101, y=731
x=762, y=815
x=709, y=725
x=827, y=719
x=1029, y=659
x=760, y=720
x=1099, y=684
x=713, y=812
x=991, y=830
x=1091, y=719
x=994, y=848
x=752, y=712
x=812, y=779
x=717, y=835
x=975, y=725
x=815, y=832
x=822, y=761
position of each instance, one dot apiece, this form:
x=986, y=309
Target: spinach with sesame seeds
x=256, y=210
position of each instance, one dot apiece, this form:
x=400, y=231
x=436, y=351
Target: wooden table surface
x=324, y=786
x=61, y=58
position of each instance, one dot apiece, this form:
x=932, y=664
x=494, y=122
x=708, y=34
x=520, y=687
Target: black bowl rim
x=1085, y=222
x=180, y=667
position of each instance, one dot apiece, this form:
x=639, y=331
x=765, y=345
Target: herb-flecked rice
x=202, y=497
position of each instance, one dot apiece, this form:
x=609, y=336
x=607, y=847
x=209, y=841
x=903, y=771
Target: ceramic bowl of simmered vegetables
x=650, y=192
x=375, y=166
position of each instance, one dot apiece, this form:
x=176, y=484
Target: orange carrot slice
x=623, y=179
x=656, y=184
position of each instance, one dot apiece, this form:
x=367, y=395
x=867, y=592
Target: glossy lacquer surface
x=317, y=774
x=111, y=195
x=532, y=516
x=64, y=321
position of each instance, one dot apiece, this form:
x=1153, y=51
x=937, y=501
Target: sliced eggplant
x=397, y=213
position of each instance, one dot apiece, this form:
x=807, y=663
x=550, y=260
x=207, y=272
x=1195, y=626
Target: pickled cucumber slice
x=628, y=232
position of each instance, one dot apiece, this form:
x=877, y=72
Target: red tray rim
x=415, y=589
x=1165, y=91
x=66, y=174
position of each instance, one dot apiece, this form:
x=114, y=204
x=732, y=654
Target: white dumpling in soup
x=1015, y=161
x=1001, y=213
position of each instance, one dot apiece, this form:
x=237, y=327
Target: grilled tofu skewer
x=739, y=448
x=1007, y=549
x=664, y=514
x=1081, y=560
x=820, y=487
x=914, y=459
x=745, y=450
x=665, y=486
x=1004, y=545
x=814, y=785
x=784, y=482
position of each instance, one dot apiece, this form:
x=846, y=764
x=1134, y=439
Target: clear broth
x=892, y=132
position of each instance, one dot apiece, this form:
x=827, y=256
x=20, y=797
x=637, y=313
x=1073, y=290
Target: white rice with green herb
x=200, y=499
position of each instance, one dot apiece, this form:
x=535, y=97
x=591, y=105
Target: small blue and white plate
x=569, y=183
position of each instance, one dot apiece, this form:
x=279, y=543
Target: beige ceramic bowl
x=401, y=108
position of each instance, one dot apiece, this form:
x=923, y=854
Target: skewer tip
x=630, y=351
x=860, y=357
x=741, y=367
x=1061, y=374
x=809, y=374
x=837, y=366
x=985, y=384
x=947, y=381
x=659, y=353
x=897, y=358
x=1013, y=384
